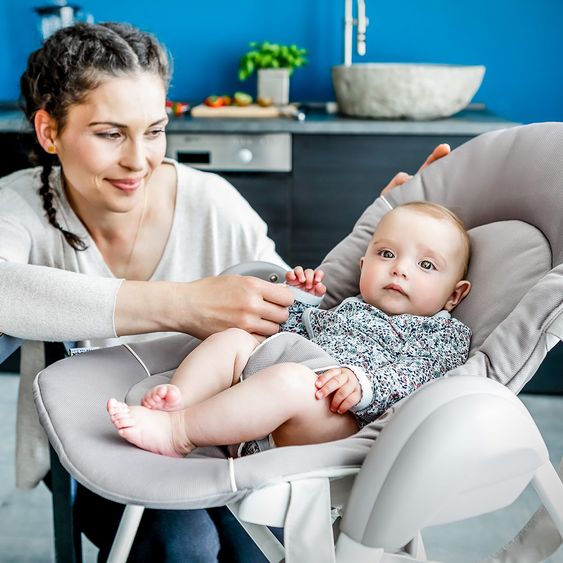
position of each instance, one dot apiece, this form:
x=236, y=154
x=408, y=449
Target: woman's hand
x=202, y=307
x=221, y=302
x=399, y=179
x=307, y=280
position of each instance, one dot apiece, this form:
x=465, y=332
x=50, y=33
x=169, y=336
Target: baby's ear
x=461, y=289
x=362, y=262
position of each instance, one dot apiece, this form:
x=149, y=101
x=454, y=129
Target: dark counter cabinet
x=335, y=177
x=16, y=150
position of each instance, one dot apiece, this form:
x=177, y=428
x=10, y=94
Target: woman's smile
x=126, y=184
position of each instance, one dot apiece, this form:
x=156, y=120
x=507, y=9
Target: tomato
x=176, y=108
x=214, y=101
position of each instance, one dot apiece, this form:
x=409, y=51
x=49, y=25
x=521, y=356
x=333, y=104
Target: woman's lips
x=126, y=184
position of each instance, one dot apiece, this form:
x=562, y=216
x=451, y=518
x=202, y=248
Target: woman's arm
x=202, y=307
x=41, y=303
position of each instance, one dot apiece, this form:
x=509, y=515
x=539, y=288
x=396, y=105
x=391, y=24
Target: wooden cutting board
x=253, y=110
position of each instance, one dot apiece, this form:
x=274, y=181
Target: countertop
x=467, y=122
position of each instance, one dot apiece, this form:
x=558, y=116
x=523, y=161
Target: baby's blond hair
x=440, y=212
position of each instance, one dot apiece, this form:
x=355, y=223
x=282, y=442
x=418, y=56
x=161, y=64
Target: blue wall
x=519, y=41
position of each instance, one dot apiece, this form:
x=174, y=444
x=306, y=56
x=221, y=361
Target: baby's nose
x=400, y=268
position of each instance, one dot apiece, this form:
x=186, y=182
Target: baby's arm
x=429, y=358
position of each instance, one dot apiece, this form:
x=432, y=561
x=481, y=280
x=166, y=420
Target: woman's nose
x=133, y=156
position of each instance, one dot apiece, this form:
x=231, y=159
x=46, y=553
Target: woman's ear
x=462, y=288
x=45, y=130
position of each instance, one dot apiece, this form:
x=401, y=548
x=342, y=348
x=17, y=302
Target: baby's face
x=413, y=265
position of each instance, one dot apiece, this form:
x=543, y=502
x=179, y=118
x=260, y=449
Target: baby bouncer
x=460, y=446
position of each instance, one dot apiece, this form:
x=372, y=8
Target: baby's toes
x=173, y=399
x=148, y=401
x=123, y=420
x=161, y=391
x=114, y=406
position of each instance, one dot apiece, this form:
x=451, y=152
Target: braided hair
x=71, y=63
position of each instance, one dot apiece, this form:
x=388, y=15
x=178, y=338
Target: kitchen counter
x=467, y=122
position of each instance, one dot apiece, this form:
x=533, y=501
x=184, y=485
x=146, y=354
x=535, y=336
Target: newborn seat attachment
x=460, y=446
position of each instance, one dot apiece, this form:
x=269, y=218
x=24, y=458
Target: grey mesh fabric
x=508, y=188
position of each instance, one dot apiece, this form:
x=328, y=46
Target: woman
x=107, y=238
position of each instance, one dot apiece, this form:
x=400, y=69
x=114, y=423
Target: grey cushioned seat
x=508, y=188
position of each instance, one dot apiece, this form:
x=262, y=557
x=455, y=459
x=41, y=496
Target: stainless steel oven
x=258, y=165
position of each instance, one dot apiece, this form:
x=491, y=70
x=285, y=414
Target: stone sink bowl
x=404, y=90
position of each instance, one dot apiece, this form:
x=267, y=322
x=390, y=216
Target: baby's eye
x=427, y=265
x=386, y=254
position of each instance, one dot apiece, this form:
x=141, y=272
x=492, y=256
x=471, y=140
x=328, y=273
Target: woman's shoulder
x=23, y=180
x=200, y=180
x=19, y=187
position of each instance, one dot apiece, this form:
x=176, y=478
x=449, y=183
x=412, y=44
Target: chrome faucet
x=361, y=21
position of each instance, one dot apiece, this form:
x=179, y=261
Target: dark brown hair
x=71, y=63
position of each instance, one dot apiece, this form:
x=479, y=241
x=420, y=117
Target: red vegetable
x=214, y=101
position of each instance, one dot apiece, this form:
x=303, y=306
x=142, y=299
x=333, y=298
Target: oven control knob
x=245, y=155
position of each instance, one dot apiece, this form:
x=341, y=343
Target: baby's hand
x=345, y=386
x=307, y=280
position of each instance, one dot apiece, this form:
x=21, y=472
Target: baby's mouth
x=395, y=287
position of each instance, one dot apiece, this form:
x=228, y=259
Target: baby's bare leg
x=213, y=366
x=279, y=400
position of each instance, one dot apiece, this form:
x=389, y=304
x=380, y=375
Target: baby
x=386, y=344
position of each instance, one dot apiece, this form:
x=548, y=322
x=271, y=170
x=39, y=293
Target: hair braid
x=46, y=193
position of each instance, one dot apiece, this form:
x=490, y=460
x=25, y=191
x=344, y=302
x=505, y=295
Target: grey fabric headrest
x=507, y=186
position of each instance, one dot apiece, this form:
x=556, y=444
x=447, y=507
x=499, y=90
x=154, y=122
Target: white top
x=49, y=291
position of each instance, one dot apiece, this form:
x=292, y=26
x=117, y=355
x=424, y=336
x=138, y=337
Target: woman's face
x=113, y=141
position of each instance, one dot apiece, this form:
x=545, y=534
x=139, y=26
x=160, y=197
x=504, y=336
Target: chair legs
x=548, y=485
x=542, y=534
x=126, y=533
x=266, y=541
x=68, y=542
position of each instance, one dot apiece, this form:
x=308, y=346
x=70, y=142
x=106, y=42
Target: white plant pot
x=274, y=83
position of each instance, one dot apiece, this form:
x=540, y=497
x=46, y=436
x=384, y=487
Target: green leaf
x=271, y=55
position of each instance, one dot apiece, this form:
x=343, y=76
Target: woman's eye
x=156, y=132
x=109, y=134
x=386, y=254
x=427, y=265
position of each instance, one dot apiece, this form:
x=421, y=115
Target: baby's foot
x=152, y=430
x=165, y=397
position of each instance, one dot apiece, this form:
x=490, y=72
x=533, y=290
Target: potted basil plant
x=274, y=65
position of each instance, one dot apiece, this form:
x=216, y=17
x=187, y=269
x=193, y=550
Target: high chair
x=460, y=446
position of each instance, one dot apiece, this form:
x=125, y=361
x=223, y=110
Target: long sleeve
x=294, y=322
x=39, y=298
x=423, y=359
x=41, y=303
